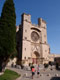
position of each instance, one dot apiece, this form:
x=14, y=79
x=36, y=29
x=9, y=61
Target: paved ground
x=46, y=74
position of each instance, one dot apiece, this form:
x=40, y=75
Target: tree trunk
x=0, y=65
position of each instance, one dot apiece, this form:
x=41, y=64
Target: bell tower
x=42, y=25
x=44, y=44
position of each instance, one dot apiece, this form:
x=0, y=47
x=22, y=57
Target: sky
x=48, y=10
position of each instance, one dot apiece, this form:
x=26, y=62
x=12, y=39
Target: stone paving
x=46, y=74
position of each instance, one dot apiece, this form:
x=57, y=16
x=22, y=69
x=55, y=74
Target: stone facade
x=32, y=45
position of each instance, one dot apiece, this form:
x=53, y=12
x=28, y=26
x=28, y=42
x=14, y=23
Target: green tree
x=7, y=31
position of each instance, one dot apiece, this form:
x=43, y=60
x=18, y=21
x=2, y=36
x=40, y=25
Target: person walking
x=38, y=70
x=33, y=71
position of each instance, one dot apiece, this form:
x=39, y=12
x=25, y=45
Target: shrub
x=57, y=66
x=46, y=65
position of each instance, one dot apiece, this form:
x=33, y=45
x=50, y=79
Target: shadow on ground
x=55, y=78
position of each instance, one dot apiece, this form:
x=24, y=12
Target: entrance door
x=34, y=60
x=35, y=57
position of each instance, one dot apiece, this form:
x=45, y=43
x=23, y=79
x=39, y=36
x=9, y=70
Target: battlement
x=40, y=21
x=26, y=17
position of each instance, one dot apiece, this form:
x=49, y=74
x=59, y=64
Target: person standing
x=38, y=70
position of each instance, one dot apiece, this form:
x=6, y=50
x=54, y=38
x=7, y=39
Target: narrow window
x=25, y=37
x=24, y=57
x=25, y=49
x=25, y=30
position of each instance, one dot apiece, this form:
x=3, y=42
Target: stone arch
x=35, y=57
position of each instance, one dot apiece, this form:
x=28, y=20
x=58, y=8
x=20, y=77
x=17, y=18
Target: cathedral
x=32, y=45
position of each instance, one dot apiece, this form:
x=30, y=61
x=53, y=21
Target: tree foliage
x=7, y=30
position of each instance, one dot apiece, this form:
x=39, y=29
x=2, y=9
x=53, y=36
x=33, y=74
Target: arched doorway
x=35, y=57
